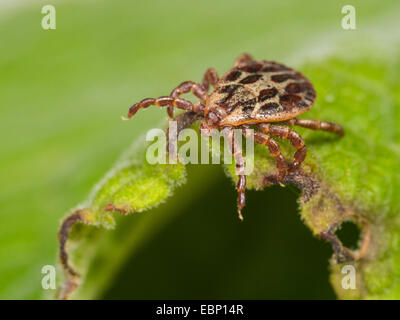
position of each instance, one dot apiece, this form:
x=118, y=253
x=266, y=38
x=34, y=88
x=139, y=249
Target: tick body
x=262, y=95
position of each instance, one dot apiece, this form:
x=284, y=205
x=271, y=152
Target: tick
x=262, y=95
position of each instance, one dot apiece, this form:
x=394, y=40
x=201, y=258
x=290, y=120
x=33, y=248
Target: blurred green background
x=62, y=93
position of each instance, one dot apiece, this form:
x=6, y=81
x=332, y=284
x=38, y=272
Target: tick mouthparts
x=240, y=215
x=124, y=118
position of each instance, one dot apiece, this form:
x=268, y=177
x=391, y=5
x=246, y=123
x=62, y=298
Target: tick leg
x=196, y=88
x=186, y=119
x=183, y=121
x=317, y=125
x=161, y=102
x=275, y=151
x=243, y=58
x=236, y=150
x=188, y=86
x=294, y=138
x=210, y=78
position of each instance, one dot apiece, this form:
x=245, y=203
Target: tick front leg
x=188, y=86
x=236, y=150
x=210, y=78
x=317, y=125
x=183, y=121
x=161, y=102
x=186, y=119
x=294, y=138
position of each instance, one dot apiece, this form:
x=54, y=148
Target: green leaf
x=345, y=179
x=354, y=178
x=132, y=186
x=63, y=92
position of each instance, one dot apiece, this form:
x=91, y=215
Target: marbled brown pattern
x=281, y=92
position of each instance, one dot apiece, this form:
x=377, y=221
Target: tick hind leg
x=317, y=125
x=294, y=138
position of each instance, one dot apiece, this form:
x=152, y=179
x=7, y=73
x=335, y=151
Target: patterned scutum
x=261, y=91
